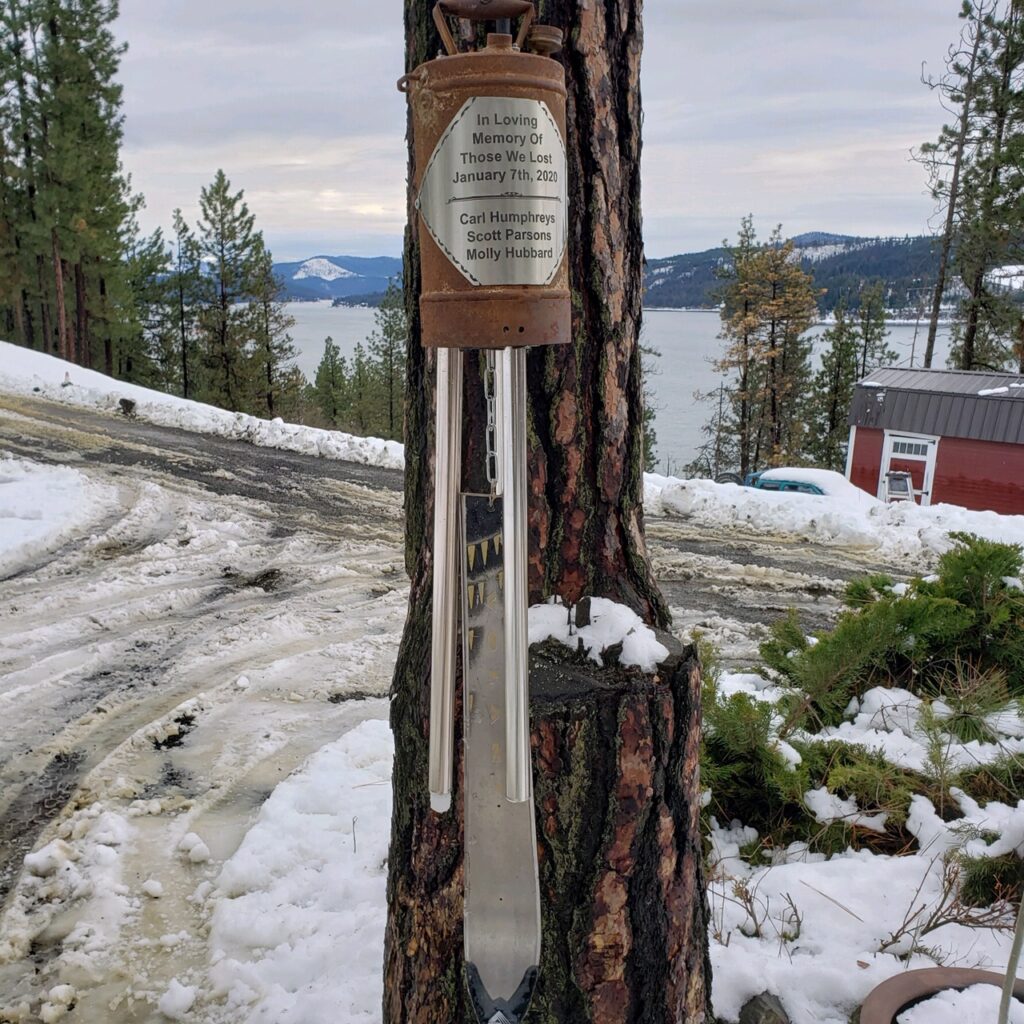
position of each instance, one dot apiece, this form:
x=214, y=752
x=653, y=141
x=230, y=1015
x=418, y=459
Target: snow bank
x=42, y=507
x=812, y=932
x=845, y=516
x=299, y=926
x=902, y=531
x=25, y=372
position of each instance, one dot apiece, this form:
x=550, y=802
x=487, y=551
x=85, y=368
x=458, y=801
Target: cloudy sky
x=799, y=111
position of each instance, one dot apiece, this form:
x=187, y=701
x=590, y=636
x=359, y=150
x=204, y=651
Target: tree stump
x=615, y=755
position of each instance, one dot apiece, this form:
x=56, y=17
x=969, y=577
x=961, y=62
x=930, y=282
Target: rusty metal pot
x=903, y=990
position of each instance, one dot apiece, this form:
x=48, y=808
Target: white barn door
x=914, y=454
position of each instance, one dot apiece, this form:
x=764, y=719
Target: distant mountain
x=841, y=264
x=333, y=277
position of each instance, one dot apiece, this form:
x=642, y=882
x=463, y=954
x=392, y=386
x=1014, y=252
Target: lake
x=687, y=340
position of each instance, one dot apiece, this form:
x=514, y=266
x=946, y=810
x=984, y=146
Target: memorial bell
x=490, y=175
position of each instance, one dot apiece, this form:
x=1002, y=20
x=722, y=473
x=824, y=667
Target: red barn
x=960, y=435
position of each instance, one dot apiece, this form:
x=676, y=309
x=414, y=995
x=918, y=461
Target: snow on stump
x=617, y=798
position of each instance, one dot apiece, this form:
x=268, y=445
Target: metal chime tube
x=447, y=473
x=510, y=385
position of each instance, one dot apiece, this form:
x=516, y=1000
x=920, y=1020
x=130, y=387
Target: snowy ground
x=41, y=507
x=25, y=372
x=902, y=531
x=218, y=764
x=821, y=933
x=167, y=656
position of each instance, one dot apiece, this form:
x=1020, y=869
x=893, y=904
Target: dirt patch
x=268, y=580
x=39, y=802
x=185, y=724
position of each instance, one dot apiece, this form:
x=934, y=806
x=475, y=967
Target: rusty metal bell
x=490, y=178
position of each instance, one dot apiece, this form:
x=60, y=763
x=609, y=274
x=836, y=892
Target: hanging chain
x=492, y=420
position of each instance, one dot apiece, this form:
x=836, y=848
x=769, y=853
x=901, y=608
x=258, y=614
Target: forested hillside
x=842, y=266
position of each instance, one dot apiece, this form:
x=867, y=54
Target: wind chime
x=490, y=179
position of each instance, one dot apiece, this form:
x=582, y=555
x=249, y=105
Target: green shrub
x=956, y=640
x=967, y=623
x=1001, y=779
x=987, y=880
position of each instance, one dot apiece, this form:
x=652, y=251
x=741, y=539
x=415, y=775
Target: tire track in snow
x=124, y=656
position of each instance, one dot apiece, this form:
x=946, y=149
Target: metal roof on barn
x=982, y=406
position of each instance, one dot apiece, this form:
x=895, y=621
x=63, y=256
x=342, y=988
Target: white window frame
x=932, y=440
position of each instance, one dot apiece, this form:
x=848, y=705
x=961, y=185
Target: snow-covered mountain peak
x=323, y=268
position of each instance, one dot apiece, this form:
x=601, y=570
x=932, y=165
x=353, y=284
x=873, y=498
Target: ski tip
x=500, y=1011
x=440, y=803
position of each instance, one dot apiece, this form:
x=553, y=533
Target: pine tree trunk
x=108, y=344
x=63, y=348
x=186, y=384
x=44, y=306
x=23, y=318
x=82, y=311
x=975, y=288
x=622, y=896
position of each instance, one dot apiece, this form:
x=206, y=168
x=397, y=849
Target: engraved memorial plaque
x=493, y=196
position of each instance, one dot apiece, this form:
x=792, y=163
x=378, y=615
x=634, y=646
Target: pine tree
x=650, y=355
x=832, y=391
x=739, y=326
x=586, y=531
x=874, y=350
x=991, y=216
x=982, y=157
x=227, y=246
x=68, y=212
x=945, y=158
x=183, y=287
x=361, y=410
x=716, y=455
x=769, y=303
x=142, y=333
x=330, y=384
x=386, y=353
x=274, y=384
x=86, y=202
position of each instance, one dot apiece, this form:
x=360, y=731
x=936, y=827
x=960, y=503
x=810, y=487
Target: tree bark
x=44, y=307
x=63, y=349
x=614, y=756
x=622, y=898
x=108, y=342
x=82, y=315
x=620, y=755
